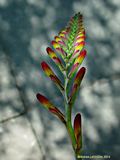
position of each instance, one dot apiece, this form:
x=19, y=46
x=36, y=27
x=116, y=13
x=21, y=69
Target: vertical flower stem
x=68, y=112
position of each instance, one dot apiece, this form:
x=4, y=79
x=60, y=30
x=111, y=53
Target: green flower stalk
x=68, y=56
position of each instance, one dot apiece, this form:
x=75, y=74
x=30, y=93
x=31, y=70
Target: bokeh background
x=27, y=130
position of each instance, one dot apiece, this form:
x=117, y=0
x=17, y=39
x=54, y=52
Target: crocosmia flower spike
x=67, y=53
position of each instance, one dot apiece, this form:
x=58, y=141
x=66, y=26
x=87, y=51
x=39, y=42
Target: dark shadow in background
x=17, y=32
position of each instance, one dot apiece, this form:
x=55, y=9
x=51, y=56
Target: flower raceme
x=68, y=54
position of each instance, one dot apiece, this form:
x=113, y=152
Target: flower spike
x=69, y=44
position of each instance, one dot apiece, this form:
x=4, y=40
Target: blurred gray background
x=27, y=130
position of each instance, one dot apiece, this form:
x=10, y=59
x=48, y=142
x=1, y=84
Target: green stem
x=68, y=113
x=68, y=109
